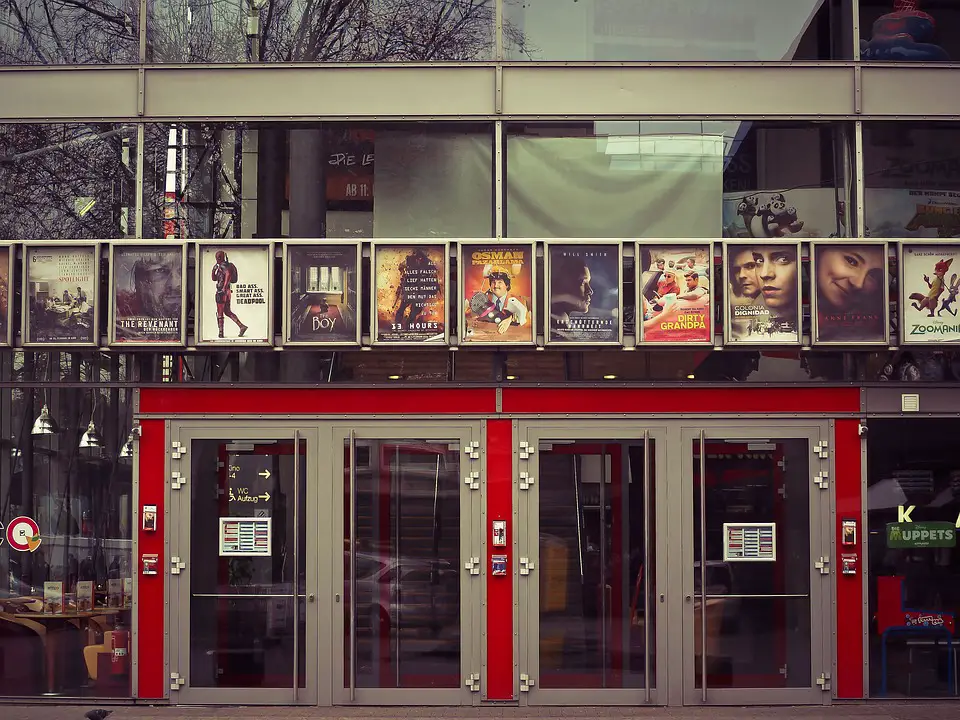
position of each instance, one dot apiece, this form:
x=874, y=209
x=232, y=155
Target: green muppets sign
x=921, y=535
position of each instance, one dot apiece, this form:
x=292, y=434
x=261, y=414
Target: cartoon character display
x=928, y=300
x=773, y=219
x=906, y=34
x=952, y=292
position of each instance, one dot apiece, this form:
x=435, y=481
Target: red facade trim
x=151, y=594
x=849, y=650
x=499, y=648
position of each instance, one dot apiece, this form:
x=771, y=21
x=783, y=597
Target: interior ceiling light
x=393, y=377
x=45, y=424
x=91, y=441
x=609, y=377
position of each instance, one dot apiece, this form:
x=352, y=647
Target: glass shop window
x=909, y=31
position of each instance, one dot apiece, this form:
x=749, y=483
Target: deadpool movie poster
x=233, y=294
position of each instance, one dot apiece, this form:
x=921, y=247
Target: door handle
x=311, y=597
x=688, y=598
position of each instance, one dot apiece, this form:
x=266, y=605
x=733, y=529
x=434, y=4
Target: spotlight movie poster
x=147, y=294
x=61, y=286
x=763, y=294
x=322, y=294
x=929, y=286
x=6, y=276
x=584, y=293
x=410, y=294
x=497, y=285
x=850, y=293
x=233, y=289
x=675, y=293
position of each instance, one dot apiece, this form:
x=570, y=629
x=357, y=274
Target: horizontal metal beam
x=460, y=91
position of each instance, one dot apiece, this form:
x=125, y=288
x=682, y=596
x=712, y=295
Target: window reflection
x=908, y=30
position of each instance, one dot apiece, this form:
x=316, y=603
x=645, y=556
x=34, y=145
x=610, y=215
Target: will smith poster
x=584, y=293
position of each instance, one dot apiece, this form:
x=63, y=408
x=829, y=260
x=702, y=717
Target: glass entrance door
x=590, y=588
x=410, y=581
x=756, y=555
x=243, y=620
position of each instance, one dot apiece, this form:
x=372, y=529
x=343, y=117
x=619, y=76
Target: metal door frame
x=527, y=545
x=468, y=433
x=185, y=432
x=821, y=585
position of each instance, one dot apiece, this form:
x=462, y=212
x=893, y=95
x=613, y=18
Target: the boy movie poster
x=675, y=293
x=5, y=294
x=497, y=290
x=61, y=286
x=322, y=293
x=929, y=287
x=584, y=293
x=410, y=294
x=233, y=286
x=148, y=294
x=849, y=293
x=763, y=294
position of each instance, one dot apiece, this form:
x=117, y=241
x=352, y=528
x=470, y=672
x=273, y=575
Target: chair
x=91, y=654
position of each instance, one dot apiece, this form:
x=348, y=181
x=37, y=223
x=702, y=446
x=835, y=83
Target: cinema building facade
x=477, y=352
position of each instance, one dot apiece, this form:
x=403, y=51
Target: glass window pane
x=674, y=30
x=323, y=31
x=909, y=31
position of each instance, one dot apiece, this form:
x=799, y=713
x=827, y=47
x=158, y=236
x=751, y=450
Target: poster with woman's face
x=147, y=294
x=584, y=293
x=675, y=293
x=234, y=293
x=763, y=293
x=60, y=294
x=410, y=294
x=849, y=295
x=929, y=286
x=322, y=293
x=496, y=283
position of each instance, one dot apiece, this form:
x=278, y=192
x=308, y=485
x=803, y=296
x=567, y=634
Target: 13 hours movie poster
x=410, y=293
x=322, y=293
x=929, y=287
x=763, y=298
x=584, y=282
x=148, y=294
x=497, y=290
x=233, y=286
x=61, y=285
x=850, y=297
x=675, y=293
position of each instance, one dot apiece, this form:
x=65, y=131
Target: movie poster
x=147, y=294
x=410, y=293
x=234, y=293
x=763, y=294
x=6, y=276
x=497, y=284
x=850, y=293
x=929, y=286
x=322, y=293
x=584, y=293
x=675, y=293
x=61, y=286
x=905, y=213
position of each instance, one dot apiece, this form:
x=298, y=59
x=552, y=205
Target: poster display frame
x=547, y=298
x=28, y=248
x=814, y=313
x=286, y=289
x=902, y=246
x=376, y=245
x=638, y=247
x=6, y=339
x=728, y=341
x=199, y=274
x=111, y=287
x=534, y=319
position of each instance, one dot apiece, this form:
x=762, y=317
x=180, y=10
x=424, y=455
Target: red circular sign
x=23, y=534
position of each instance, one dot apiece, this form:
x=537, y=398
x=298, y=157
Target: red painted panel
x=500, y=589
x=849, y=650
x=333, y=400
x=150, y=589
x=664, y=401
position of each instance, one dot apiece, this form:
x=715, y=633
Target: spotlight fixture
x=45, y=424
x=691, y=377
x=126, y=450
x=393, y=377
x=91, y=442
x=609, y=377
x=511, y=377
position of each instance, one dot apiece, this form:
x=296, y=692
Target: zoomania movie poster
x=61, y=286
x=410, y=294
x=234, y=294
x=322, y=293
x=850, y=284
x=584, y=293
x=930, y=284
x=675, y=293
x=148, y=294
x=497, y=287
x=764, y=294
